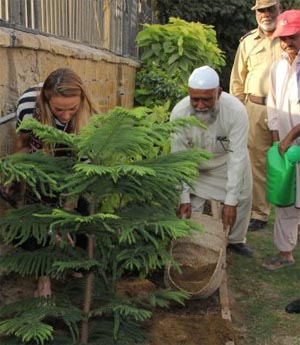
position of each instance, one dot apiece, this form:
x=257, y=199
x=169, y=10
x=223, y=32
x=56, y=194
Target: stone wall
x=28, y=58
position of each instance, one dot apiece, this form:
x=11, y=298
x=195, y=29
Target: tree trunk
x=88, y=294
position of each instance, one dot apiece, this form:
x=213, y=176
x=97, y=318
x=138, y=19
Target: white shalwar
x=283, y=114
x=226, y=177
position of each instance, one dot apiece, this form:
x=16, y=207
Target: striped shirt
x=26, y=107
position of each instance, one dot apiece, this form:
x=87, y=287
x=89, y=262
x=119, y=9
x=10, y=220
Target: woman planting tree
x=62, y=102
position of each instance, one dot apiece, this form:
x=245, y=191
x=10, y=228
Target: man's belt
x=258, y=99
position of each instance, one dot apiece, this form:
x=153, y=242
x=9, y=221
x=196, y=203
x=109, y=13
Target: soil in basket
x=191, y=278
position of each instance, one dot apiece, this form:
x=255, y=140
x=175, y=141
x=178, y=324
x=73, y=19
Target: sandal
x=277, y=262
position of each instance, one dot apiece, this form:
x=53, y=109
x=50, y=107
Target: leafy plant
x=156, y=87
x=170, y=52
x=121, y=165
x=231, y=19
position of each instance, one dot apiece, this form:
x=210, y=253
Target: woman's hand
x=13, y=193
x=184, y=211
x=69, y=240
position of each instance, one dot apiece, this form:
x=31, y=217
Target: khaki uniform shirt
x=250, y=71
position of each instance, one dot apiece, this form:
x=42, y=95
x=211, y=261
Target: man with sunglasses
x=226, y=177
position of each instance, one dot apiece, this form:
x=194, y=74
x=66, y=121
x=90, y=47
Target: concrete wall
x=26, y=59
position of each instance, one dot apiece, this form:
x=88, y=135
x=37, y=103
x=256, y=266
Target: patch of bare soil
x=198, y=322
x=14, y=288
x=175, y=329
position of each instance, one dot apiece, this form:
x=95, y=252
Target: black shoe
x=241, y=248
x=256, y=224
x=293, y=307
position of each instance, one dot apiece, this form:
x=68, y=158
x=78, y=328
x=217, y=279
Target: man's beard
x=208, y=116
x=268, y=27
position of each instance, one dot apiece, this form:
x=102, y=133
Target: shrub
x=170, y=52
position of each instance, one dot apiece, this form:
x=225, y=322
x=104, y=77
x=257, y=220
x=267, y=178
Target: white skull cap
x=204, y=78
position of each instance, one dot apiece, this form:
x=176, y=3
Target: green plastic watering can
x=281, y=175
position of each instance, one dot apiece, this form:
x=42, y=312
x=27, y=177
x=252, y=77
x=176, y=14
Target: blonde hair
x=65, y=82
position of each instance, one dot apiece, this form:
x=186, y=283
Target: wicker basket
x=201, y=257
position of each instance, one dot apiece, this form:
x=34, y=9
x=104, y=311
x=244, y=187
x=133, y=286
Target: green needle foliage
x=122, y=167
x=38, y=170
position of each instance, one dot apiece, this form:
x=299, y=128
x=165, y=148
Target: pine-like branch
x=29, y=324
x=42, y=173
x=18, y=225
x=49, y=134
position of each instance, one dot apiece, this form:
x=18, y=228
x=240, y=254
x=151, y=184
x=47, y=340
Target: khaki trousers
x=259, y=141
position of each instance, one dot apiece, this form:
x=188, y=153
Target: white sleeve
x=180, y=142
x=238, y=158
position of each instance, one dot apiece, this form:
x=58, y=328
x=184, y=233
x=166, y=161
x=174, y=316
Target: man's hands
x=228, y=215
x=284, y=145
x=286, y=142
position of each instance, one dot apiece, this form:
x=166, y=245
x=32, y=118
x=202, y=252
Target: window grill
x=108, y=24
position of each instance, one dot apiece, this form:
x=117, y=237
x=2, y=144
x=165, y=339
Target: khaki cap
x=264, y=4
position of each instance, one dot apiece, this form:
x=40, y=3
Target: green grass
x=260, y=296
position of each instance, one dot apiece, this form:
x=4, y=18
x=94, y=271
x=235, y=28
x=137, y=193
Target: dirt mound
x=168, y=329
x=14, y=288
x=135, y=287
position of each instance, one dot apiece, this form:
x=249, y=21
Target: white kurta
x=283, y=114
x=227, y=176
x=283, y=99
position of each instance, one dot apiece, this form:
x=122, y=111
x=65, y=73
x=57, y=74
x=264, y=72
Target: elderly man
x=284, y=122
x=227, y=176
x=249, y=82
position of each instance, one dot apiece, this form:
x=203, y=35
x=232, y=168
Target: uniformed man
x=249, y=82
